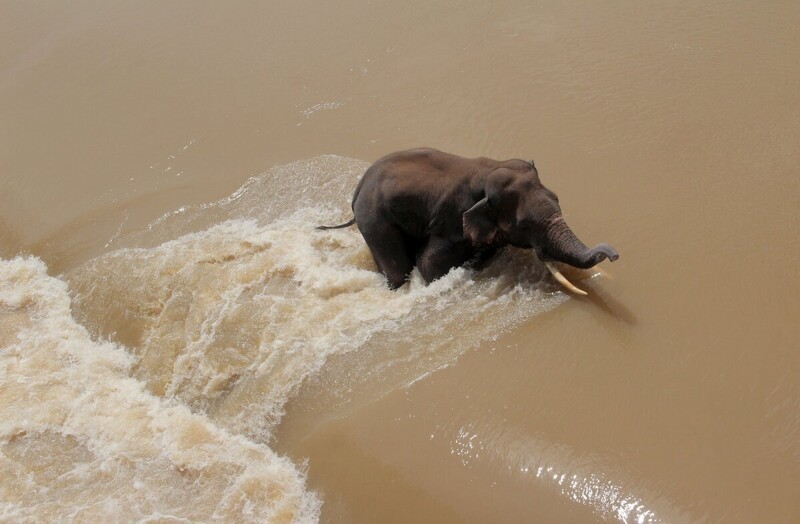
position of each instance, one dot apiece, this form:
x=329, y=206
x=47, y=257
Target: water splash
x=81, y=439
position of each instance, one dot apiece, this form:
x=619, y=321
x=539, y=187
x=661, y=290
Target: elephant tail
x=340, y=226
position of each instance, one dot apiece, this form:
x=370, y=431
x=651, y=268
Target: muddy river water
x=178, y=342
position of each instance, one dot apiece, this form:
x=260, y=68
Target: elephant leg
x=440, y=256
x=392, y=251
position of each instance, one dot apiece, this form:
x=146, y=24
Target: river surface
x=178, y=343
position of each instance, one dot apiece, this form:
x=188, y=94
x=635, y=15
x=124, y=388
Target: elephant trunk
x=562, y=245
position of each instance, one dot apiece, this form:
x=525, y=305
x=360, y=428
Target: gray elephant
x=437, y=211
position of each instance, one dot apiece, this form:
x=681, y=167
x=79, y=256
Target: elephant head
x=517, y=209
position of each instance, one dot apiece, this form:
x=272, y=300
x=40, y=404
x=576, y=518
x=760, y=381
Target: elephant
x=437, y=211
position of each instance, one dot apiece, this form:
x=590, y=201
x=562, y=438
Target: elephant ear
x=480, y=224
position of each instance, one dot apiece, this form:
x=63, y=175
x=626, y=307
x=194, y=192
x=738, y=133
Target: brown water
x=186, y=346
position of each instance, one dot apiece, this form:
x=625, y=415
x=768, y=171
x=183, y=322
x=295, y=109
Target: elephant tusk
x=562, y=279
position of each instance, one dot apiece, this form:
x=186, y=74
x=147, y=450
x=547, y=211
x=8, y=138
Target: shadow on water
x=611, y=305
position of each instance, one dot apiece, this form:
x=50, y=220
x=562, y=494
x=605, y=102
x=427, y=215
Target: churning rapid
x=148, y=382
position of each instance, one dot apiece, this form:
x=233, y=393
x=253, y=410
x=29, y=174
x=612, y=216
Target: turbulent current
x=148, y=382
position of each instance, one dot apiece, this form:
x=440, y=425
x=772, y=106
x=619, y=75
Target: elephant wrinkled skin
x=437, y=211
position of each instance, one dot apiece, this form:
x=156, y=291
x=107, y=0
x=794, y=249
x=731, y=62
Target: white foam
x=80, y=439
